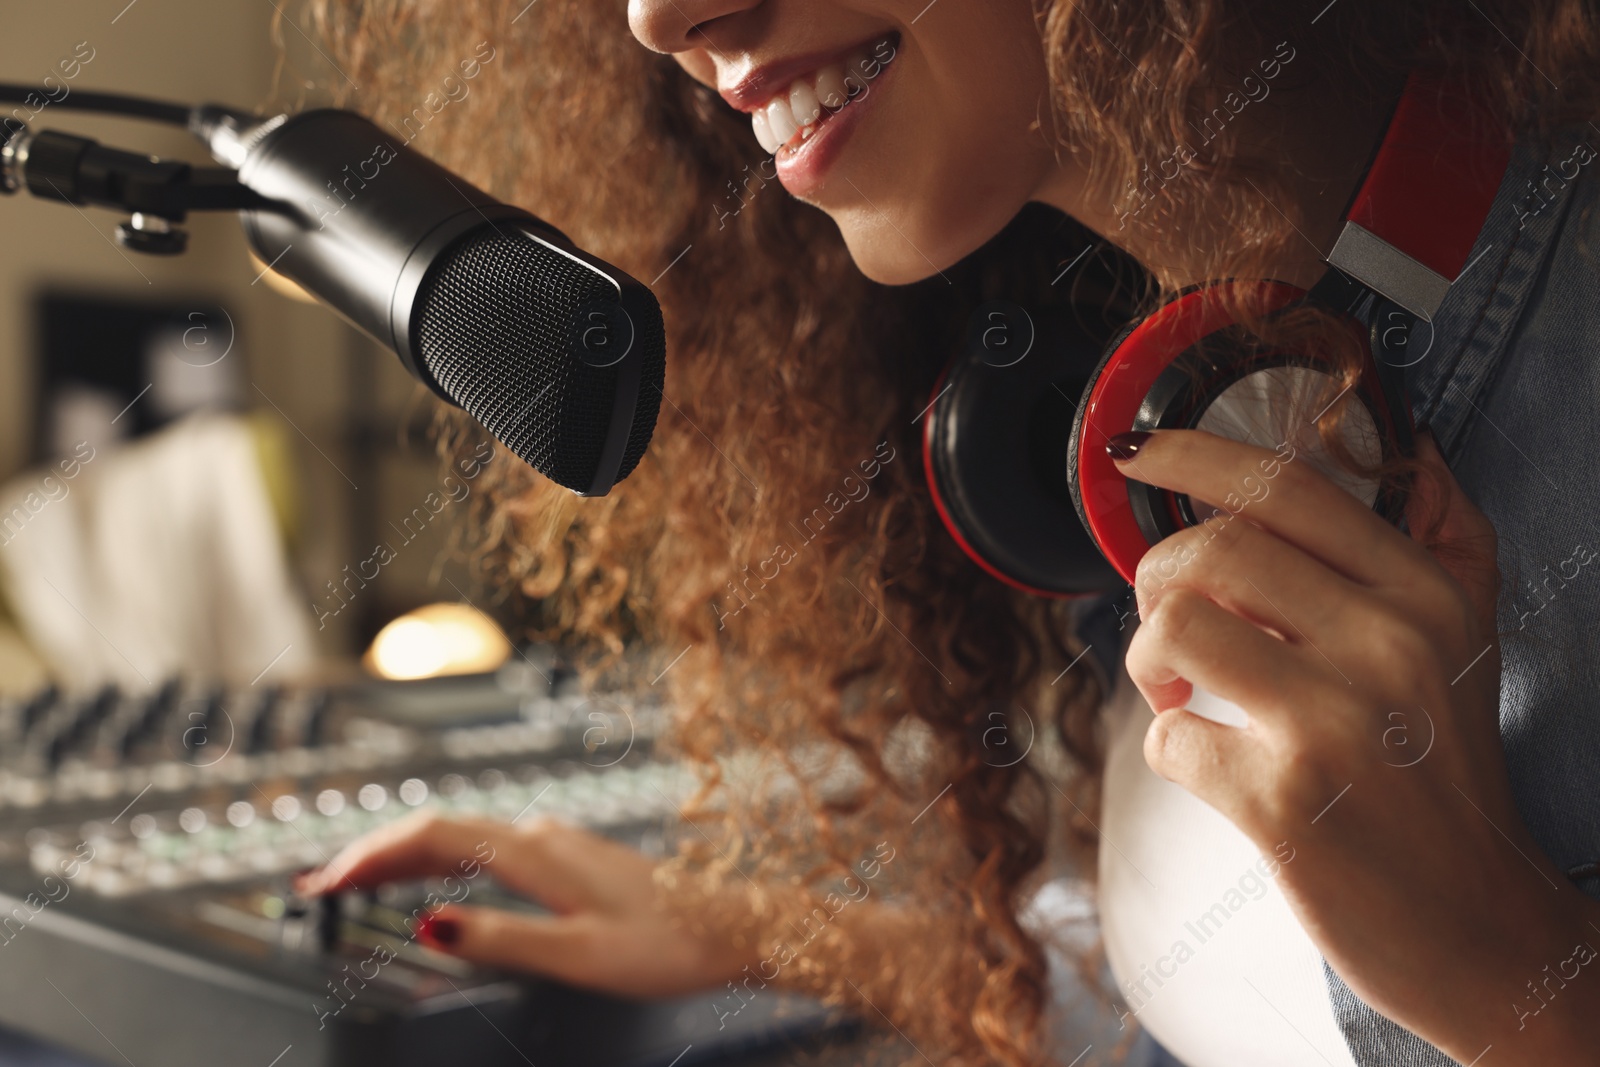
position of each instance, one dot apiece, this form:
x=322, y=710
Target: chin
x=889, y=267
x=900, y=251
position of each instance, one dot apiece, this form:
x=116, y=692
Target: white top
x=1204, y=947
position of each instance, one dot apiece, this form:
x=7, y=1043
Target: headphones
x=1026, y=391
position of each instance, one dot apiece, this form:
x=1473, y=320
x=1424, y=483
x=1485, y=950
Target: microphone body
x=560, y=355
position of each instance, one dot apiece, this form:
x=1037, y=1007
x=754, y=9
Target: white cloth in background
x=159, y=558
x=1204, y=945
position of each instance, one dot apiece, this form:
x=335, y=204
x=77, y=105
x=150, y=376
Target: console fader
x=146, y=843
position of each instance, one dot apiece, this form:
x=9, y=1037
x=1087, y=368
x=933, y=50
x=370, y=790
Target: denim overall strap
x=1447, y=380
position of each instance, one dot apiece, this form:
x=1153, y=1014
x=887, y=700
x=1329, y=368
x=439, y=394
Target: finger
x=560, y=865
x=1281, y=491
x=1253, y=573
x=529, y=943
x=1452, y=529
x=421, y=845
x=593, y=952
x=1207, y=758
x=1186, y=640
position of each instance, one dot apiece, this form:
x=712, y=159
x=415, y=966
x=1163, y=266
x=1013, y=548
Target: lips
x=792, y=115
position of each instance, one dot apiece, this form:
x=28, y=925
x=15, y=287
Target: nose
x=674, y=26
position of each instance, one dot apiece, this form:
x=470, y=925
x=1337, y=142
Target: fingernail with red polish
x=1127, y=445
x=438, y=930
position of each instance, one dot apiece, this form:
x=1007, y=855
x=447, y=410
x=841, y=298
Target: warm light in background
x=277, y=282
x=436, y=640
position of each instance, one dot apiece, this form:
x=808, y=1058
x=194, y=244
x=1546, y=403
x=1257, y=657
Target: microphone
x=560, y=355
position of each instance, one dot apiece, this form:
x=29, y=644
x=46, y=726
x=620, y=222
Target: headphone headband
x=1425, y=198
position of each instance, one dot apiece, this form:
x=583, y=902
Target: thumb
x=1459, y=536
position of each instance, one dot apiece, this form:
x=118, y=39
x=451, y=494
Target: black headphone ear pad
x=1074, y=482
x=994, y=442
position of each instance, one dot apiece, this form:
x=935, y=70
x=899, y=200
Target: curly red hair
x=777, y=544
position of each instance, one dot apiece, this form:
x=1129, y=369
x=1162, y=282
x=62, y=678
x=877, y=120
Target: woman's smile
x=805, y=120
x=914, y=181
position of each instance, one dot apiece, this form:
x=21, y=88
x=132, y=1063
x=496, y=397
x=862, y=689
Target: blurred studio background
x=207, y=479
x=194, y=461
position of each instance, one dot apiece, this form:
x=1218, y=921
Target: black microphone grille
x=535, y=345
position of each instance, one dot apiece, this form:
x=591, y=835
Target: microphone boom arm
x=157, y=193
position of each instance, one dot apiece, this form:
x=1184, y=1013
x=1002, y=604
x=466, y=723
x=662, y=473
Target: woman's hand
x=610, y=929
x=1370, y=670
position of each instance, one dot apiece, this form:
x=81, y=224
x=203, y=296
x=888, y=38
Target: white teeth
x=782, y=119
x=831, y=88
x=795, y=113
x=763, y=131
x=803, y=104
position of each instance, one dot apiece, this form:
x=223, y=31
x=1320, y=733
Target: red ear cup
x=1185, y=367
x=994, y=446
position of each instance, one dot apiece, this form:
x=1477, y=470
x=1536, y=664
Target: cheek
x=699, y=65
x=920, y=204
x=949, y=155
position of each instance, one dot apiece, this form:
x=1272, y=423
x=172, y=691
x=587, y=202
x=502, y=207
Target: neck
x=1316, y=137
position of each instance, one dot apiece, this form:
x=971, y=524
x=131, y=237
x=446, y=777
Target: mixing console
x=146, y=843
